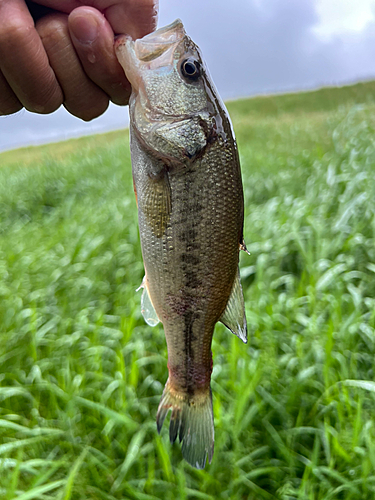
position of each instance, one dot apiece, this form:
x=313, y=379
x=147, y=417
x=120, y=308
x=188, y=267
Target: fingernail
x=84, y=28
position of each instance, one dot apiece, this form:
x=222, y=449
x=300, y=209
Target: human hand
x=67, y=56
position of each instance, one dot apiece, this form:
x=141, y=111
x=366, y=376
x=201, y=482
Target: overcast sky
x=251, y=47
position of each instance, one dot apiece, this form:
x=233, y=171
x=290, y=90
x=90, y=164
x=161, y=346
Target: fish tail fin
x=192, y=421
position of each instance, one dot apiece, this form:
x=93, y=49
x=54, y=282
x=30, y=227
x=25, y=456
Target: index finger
x=136, y=18
x=133, y=17
x=23, y=60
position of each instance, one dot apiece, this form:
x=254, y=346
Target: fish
x=188, y=186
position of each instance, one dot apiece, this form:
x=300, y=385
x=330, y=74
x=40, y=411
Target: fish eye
x=190, y=69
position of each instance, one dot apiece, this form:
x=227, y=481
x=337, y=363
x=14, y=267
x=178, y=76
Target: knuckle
x=148, y=9
x=52, y=29
x=10, y=106
x=121, y=99
x=94, y=112
x=14, y=29
x=89, y=112
x=43, y=108
x=9, y=102
x=47, y=102
x=118, y=92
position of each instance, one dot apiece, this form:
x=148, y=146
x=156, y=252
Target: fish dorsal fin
x=234, y=317
x=155, y=202
x=147, y=309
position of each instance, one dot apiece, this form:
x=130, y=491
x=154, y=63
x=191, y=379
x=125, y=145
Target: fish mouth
x=124, y=49
x=148, y=50
x=155, y=44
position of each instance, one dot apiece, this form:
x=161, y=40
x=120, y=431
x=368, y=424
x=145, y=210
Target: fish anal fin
x=155, y=202
x=234, y=317
x=147, y=309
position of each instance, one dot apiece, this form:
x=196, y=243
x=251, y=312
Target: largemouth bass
x=188, y=186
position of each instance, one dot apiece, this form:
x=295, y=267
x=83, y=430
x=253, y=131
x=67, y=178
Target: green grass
x=81, y=374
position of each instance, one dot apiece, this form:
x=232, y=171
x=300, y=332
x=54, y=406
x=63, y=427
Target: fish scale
x=188, y=183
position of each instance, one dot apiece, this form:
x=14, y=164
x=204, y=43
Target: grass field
x=81, y=374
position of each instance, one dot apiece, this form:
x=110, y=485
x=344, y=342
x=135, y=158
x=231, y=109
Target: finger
x=59, y=5
x=9, y=103
x=23, y=60
x=93, y=40
x=37, y=11
x=82, y=97
x=134, y=17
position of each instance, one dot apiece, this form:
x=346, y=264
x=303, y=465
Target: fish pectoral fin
x=147, y=309
x=234, y=317
x=155, y=202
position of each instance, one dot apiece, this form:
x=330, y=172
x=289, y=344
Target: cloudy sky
x=251, y=47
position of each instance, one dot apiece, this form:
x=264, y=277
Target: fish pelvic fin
x=192, y=421
x=147, y=308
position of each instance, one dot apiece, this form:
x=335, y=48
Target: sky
x=251, y=47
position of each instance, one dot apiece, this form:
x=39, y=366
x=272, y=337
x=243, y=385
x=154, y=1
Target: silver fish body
x=188, y=185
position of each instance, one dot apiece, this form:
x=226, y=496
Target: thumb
x=92, y=37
